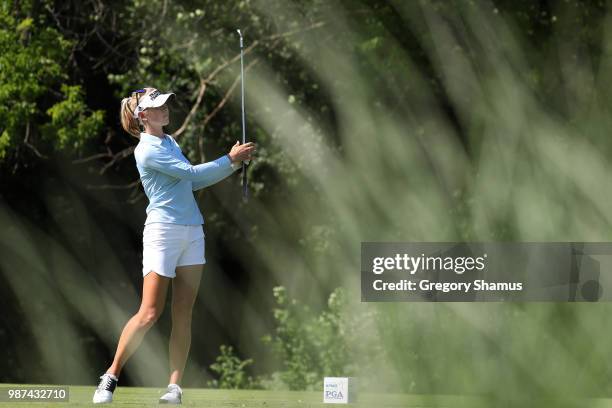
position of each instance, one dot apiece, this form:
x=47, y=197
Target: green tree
x=33, y=68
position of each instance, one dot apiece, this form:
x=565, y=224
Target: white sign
x=338, y=390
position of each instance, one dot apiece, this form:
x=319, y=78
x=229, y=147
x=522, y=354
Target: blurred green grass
x=80, y=396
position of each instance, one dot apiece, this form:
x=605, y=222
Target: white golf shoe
x=104, y=392
x=173, y=396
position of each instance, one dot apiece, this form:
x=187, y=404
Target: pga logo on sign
x=336, y=390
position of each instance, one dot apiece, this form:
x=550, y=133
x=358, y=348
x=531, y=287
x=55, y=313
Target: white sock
x=113, y=376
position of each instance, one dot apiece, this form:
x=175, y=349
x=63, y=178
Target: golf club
x=245, y=190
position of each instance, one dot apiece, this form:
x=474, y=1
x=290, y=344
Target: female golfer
x=173, y=236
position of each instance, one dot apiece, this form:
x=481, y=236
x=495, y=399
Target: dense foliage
x=35, y=101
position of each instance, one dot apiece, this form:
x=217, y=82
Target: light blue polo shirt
x=169, y=180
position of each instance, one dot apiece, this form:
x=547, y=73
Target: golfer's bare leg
x=154, y=289
x=184, y=291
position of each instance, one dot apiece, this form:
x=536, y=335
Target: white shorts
x=166, y=246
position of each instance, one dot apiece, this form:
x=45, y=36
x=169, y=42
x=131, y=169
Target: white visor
x=153, y=100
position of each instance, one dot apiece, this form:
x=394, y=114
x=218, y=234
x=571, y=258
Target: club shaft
x=244, y=173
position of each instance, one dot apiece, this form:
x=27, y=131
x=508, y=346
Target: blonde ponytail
x=129, y=123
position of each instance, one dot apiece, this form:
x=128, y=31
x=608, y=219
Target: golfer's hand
x=242, y=152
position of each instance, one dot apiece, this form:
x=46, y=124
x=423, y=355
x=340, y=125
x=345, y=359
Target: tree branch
x=117, y=157
x=26, y=142
x=298, y=31
x=219, y=106
x=227, y=94
x=193, y=110
x=93, y=157
x=204, y=82
x=109, y=152
x=113, y=186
